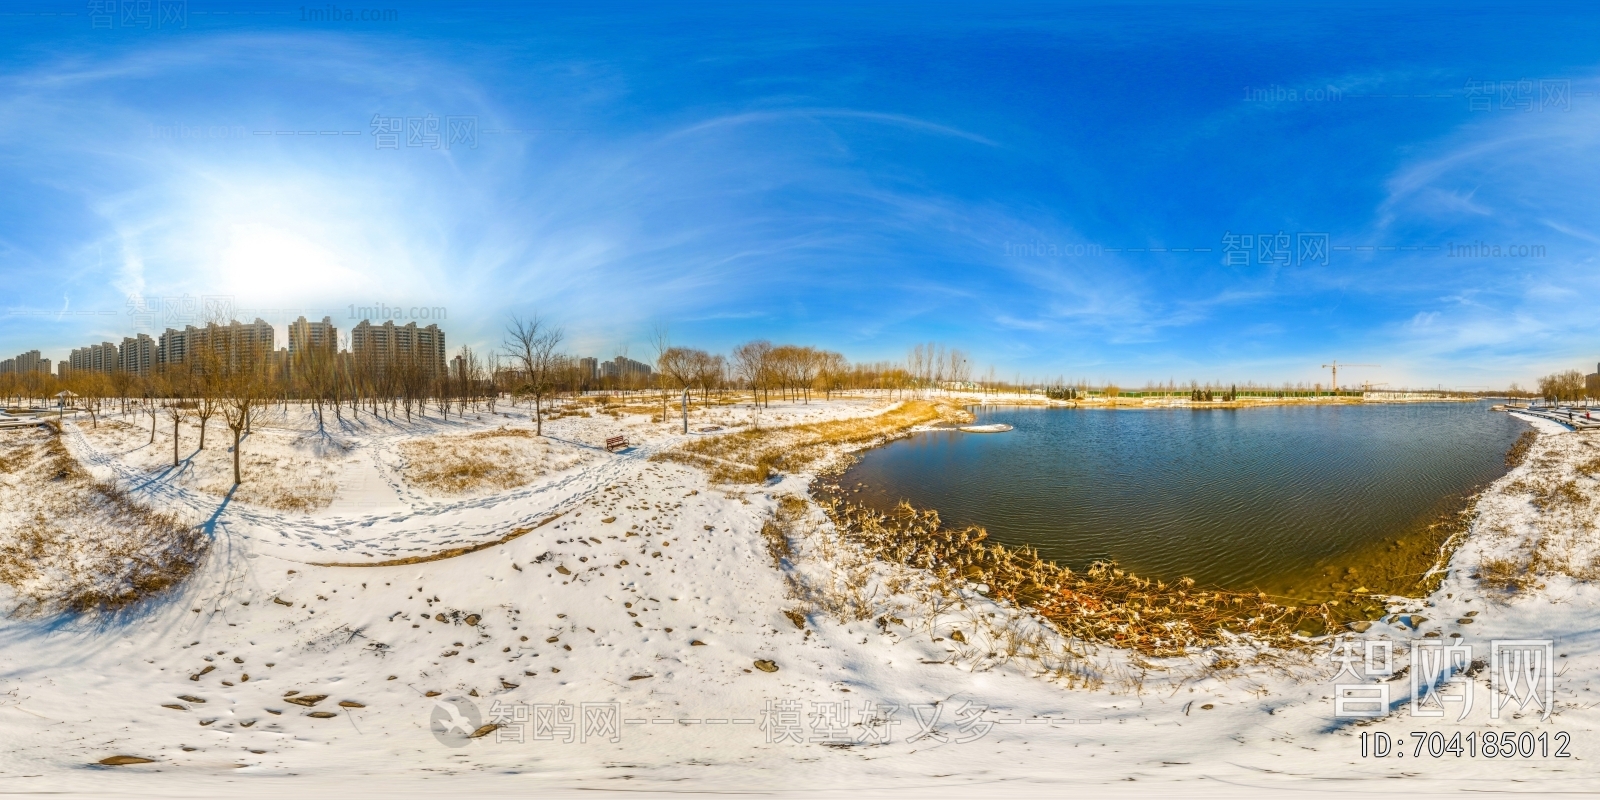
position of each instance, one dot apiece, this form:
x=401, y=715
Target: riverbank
x=1269, y=501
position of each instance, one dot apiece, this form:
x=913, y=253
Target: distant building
x=388, y=345
x=174, y=346
x=255, y=337
x=187, y=346
x=1591, y=383
x=25, y=363
x=589, y=368
x=304, y=334
x=626, y=369
x=137, y=355
x=102, y=357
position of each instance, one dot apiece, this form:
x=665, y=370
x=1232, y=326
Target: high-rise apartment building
x=626, y=370
x=102, y=357
x=137, y=355
x=304, y=334
x=187, y=345
x=389, y=345
x=173, y=348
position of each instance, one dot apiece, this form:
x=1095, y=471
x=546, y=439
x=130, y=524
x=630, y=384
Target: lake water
x=1239, y=498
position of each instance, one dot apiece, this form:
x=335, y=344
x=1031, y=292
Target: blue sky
x=1011, y=179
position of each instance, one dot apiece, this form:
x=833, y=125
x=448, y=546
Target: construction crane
x=1335, y=367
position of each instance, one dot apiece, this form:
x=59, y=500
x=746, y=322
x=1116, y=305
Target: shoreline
x=1404, y=562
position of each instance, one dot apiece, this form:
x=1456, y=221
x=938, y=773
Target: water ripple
x=1231, y=497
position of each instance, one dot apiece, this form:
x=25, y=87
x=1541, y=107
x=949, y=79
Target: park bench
x=616, y=443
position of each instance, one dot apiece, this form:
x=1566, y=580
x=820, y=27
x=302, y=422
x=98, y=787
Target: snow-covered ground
x=632, y=635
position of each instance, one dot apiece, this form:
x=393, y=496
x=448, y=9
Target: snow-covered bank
x=639, y=614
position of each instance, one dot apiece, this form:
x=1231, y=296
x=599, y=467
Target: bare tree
x=661, y=340
x=807, y=364
x=494, y=377
x=209, y=386
x=832, y=371
x=175, y=385
x=750, y=362
x=677, y=367
x=960, y=368
x=91, y=387
x=464, y=369
x=151, y=408
x=708, y=372
x=532, y=344
x=1561, y=386
x=245, y=380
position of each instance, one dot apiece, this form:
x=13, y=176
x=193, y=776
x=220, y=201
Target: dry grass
x=299, y=485
x=1549, y=530
x=775, y=532
x=752, y=456
x=827, y=573
x=1103, y=604
x=1505, y=574
x=843, y=572
x=494, y=460
x=69, y=543
x=1557, y=494
x=1519, y=449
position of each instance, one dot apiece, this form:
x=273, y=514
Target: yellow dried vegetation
x=499, y=459
x=74, y=544
x=752, y=456
x=1561, y=485
x=1101, y=604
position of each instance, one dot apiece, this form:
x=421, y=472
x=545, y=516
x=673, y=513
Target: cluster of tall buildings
x=26, y=362
x=1592, y=382
x=142, y=355
x=620, y=368
x=137, y=355
x=382, y=346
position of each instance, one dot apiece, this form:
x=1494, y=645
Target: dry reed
x=83, y=545
x=752, y=456
x=499, y=459
x=1102, y=604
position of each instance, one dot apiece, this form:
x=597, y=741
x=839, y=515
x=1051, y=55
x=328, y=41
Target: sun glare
x=261, y=263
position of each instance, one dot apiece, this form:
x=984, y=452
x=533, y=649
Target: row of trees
x=230, y=378
x=1568, y=386
x=536, y=369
